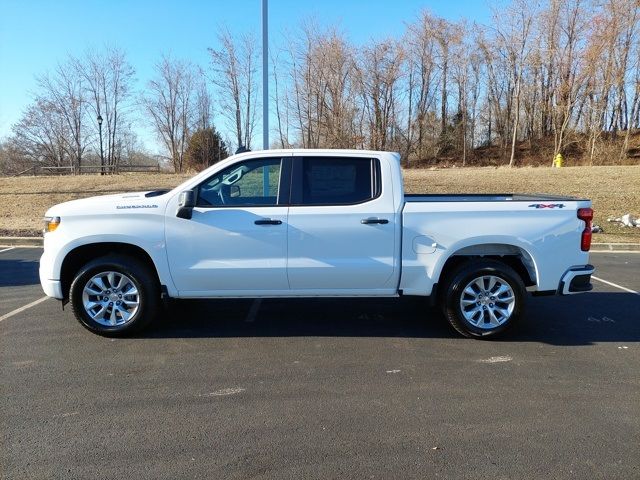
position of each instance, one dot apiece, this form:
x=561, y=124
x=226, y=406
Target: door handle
x=268, y=221
x=371, y=221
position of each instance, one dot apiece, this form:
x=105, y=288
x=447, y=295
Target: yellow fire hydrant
x=558, y=160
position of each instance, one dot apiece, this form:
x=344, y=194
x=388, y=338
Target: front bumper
x=52, y=288
x=576, y=280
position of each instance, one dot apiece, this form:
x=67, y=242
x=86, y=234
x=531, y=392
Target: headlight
x=51, y=223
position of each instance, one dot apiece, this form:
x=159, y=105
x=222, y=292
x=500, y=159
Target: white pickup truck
x=312, y=223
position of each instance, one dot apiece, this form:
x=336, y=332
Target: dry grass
x=25, y=199
x=614, y=191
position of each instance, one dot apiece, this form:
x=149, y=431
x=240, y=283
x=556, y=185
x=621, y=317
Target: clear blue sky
x=36, y=34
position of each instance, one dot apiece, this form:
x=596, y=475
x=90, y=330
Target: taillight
x=586, y=215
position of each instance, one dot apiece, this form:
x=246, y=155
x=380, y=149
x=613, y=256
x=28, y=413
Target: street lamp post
x=265, y=91
x=101, y=152
x=265, y=75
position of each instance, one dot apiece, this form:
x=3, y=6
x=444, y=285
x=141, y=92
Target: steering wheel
x=223, y=193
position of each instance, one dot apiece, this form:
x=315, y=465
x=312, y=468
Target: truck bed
x=482, y=197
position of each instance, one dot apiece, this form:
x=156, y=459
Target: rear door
x=341, y=233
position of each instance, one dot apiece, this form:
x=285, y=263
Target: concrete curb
x=618, y=247
x=595, y=247
x=21, y=241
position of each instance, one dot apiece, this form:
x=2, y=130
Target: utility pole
x=265, y=76
x=265, y=92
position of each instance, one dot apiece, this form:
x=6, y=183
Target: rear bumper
x=576, y=280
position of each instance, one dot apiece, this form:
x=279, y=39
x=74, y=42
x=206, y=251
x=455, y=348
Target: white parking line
x=23, y=308
x=615, y=285
x=7, y=249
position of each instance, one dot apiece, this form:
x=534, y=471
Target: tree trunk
x=516, y=117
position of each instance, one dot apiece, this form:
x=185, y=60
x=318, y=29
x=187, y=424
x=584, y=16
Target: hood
x=119, y=202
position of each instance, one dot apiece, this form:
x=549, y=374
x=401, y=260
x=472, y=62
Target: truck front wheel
x=483, y=298
x=114, y=295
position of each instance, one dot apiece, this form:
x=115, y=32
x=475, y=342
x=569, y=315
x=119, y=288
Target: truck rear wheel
x=483, y=298
x=114, y=295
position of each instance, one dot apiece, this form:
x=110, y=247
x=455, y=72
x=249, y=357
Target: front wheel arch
x=80, y=256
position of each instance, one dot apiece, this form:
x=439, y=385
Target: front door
x=236, y=241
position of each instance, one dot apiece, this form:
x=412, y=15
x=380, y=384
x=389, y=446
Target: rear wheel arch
x=77, y=258
x=513, y=256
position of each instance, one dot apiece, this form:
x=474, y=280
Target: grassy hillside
x=614, y=191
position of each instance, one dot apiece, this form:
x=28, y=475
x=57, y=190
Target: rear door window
x=337, y=181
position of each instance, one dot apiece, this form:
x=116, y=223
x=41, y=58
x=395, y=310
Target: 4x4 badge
x=546, y=205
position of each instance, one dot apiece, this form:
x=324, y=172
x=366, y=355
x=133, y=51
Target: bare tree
x=421, y=77
x=627, y=13
x=43, y=136
x=462, y=75
x=378, y=72
x=322, y=79
x=169, y=103
x=473, y=89
x=203, y=104
x=280, y=100
x=544, y=74
x=63, y=93
x=107, y=79
x=234, y=68
x=566, y=91
x=514, y=43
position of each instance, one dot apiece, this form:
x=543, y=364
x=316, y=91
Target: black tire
x=138, y=276
x=486, y=323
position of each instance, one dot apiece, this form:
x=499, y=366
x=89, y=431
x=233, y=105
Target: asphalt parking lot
x=322, y=389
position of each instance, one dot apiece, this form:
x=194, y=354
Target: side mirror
x=235, y=191
x=186, y=202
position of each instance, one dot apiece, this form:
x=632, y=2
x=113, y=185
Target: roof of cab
x=314, y=152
